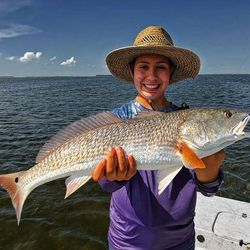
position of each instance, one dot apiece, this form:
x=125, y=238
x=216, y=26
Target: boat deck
x=222, y=223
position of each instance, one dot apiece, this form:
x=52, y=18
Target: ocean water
x=32, y=110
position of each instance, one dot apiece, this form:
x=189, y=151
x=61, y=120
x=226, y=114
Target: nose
x=152, y=74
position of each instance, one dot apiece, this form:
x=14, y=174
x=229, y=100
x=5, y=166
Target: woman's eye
x=161, y=67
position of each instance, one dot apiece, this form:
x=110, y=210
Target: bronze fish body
x=158, y=141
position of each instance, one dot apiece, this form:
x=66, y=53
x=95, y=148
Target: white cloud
x=14, y=30
x=52, y=58
x=69, y=62
x=38, y=54
x=11, y=58
x=28, y=56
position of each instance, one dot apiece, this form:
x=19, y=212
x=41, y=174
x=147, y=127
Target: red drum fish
x=158, y=141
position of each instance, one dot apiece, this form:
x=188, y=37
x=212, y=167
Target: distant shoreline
x=10, y=77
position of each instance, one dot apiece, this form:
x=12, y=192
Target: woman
x=140, y=218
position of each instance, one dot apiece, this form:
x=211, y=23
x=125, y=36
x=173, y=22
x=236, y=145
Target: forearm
x=210, y=188
x=210, y=178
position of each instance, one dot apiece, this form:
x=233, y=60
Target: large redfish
x=158, y=141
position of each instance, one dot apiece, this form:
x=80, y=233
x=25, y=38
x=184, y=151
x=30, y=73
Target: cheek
x=138, y=78
x=165, y=78
x=165, y=85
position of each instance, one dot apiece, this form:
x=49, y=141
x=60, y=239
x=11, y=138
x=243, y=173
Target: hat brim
x=187, y=63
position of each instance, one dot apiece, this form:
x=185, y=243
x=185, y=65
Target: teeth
x=150, y=86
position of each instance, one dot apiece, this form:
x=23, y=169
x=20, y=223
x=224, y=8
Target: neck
x=158, y=104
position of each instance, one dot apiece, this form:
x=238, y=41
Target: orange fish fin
x=189, y=158
x=10, y=183
x=74, y=182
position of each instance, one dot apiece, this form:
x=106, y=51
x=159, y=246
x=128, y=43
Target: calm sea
x=34, y=109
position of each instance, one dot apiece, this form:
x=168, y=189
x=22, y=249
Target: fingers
x=126, y=165
x=111, y=164
x=131, y=167
x=116, y=166
x=99, y=171
x=122, y=167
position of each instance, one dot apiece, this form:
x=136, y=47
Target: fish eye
x=227, y=114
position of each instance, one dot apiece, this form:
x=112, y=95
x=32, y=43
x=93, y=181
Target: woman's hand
x=212, y=163
x=116, y=167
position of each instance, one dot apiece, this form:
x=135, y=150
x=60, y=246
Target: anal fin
x=165, y=176
x=74, y=182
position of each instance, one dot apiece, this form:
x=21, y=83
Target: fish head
x=211, y=130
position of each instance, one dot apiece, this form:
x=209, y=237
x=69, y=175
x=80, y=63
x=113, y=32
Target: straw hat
x=153, y=40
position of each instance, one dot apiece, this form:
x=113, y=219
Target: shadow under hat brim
x=187, y=63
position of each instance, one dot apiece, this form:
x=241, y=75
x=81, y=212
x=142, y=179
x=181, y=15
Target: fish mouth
x=236, y=134
x=238, y=130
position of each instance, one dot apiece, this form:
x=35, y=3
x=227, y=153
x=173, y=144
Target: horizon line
x=109, y=75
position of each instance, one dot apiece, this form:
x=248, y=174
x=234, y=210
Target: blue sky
x=62, y=37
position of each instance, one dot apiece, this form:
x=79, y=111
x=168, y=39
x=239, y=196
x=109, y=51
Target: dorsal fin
x=75, y=129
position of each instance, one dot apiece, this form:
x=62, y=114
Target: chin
x=151, y=97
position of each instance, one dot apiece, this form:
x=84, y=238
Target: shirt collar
x=143, y=104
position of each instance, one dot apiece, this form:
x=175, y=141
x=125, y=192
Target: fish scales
x=158, y=141
x=134, y=135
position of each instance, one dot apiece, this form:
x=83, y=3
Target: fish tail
x=10, y=182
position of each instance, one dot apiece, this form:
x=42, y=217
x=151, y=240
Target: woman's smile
x=151, y=87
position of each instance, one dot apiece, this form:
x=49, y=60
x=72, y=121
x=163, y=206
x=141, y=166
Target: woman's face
x=152, y=76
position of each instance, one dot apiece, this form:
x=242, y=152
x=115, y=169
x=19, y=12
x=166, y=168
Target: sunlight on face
x=152, y=76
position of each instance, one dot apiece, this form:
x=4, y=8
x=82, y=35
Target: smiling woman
x=142, y=217
x=151, y=78
x=30, y=114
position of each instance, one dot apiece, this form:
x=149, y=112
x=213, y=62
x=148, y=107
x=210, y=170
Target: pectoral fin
x=165, y=176
x=74, y=182
x=189, y=158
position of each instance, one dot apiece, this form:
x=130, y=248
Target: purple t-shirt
x=142, y=219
